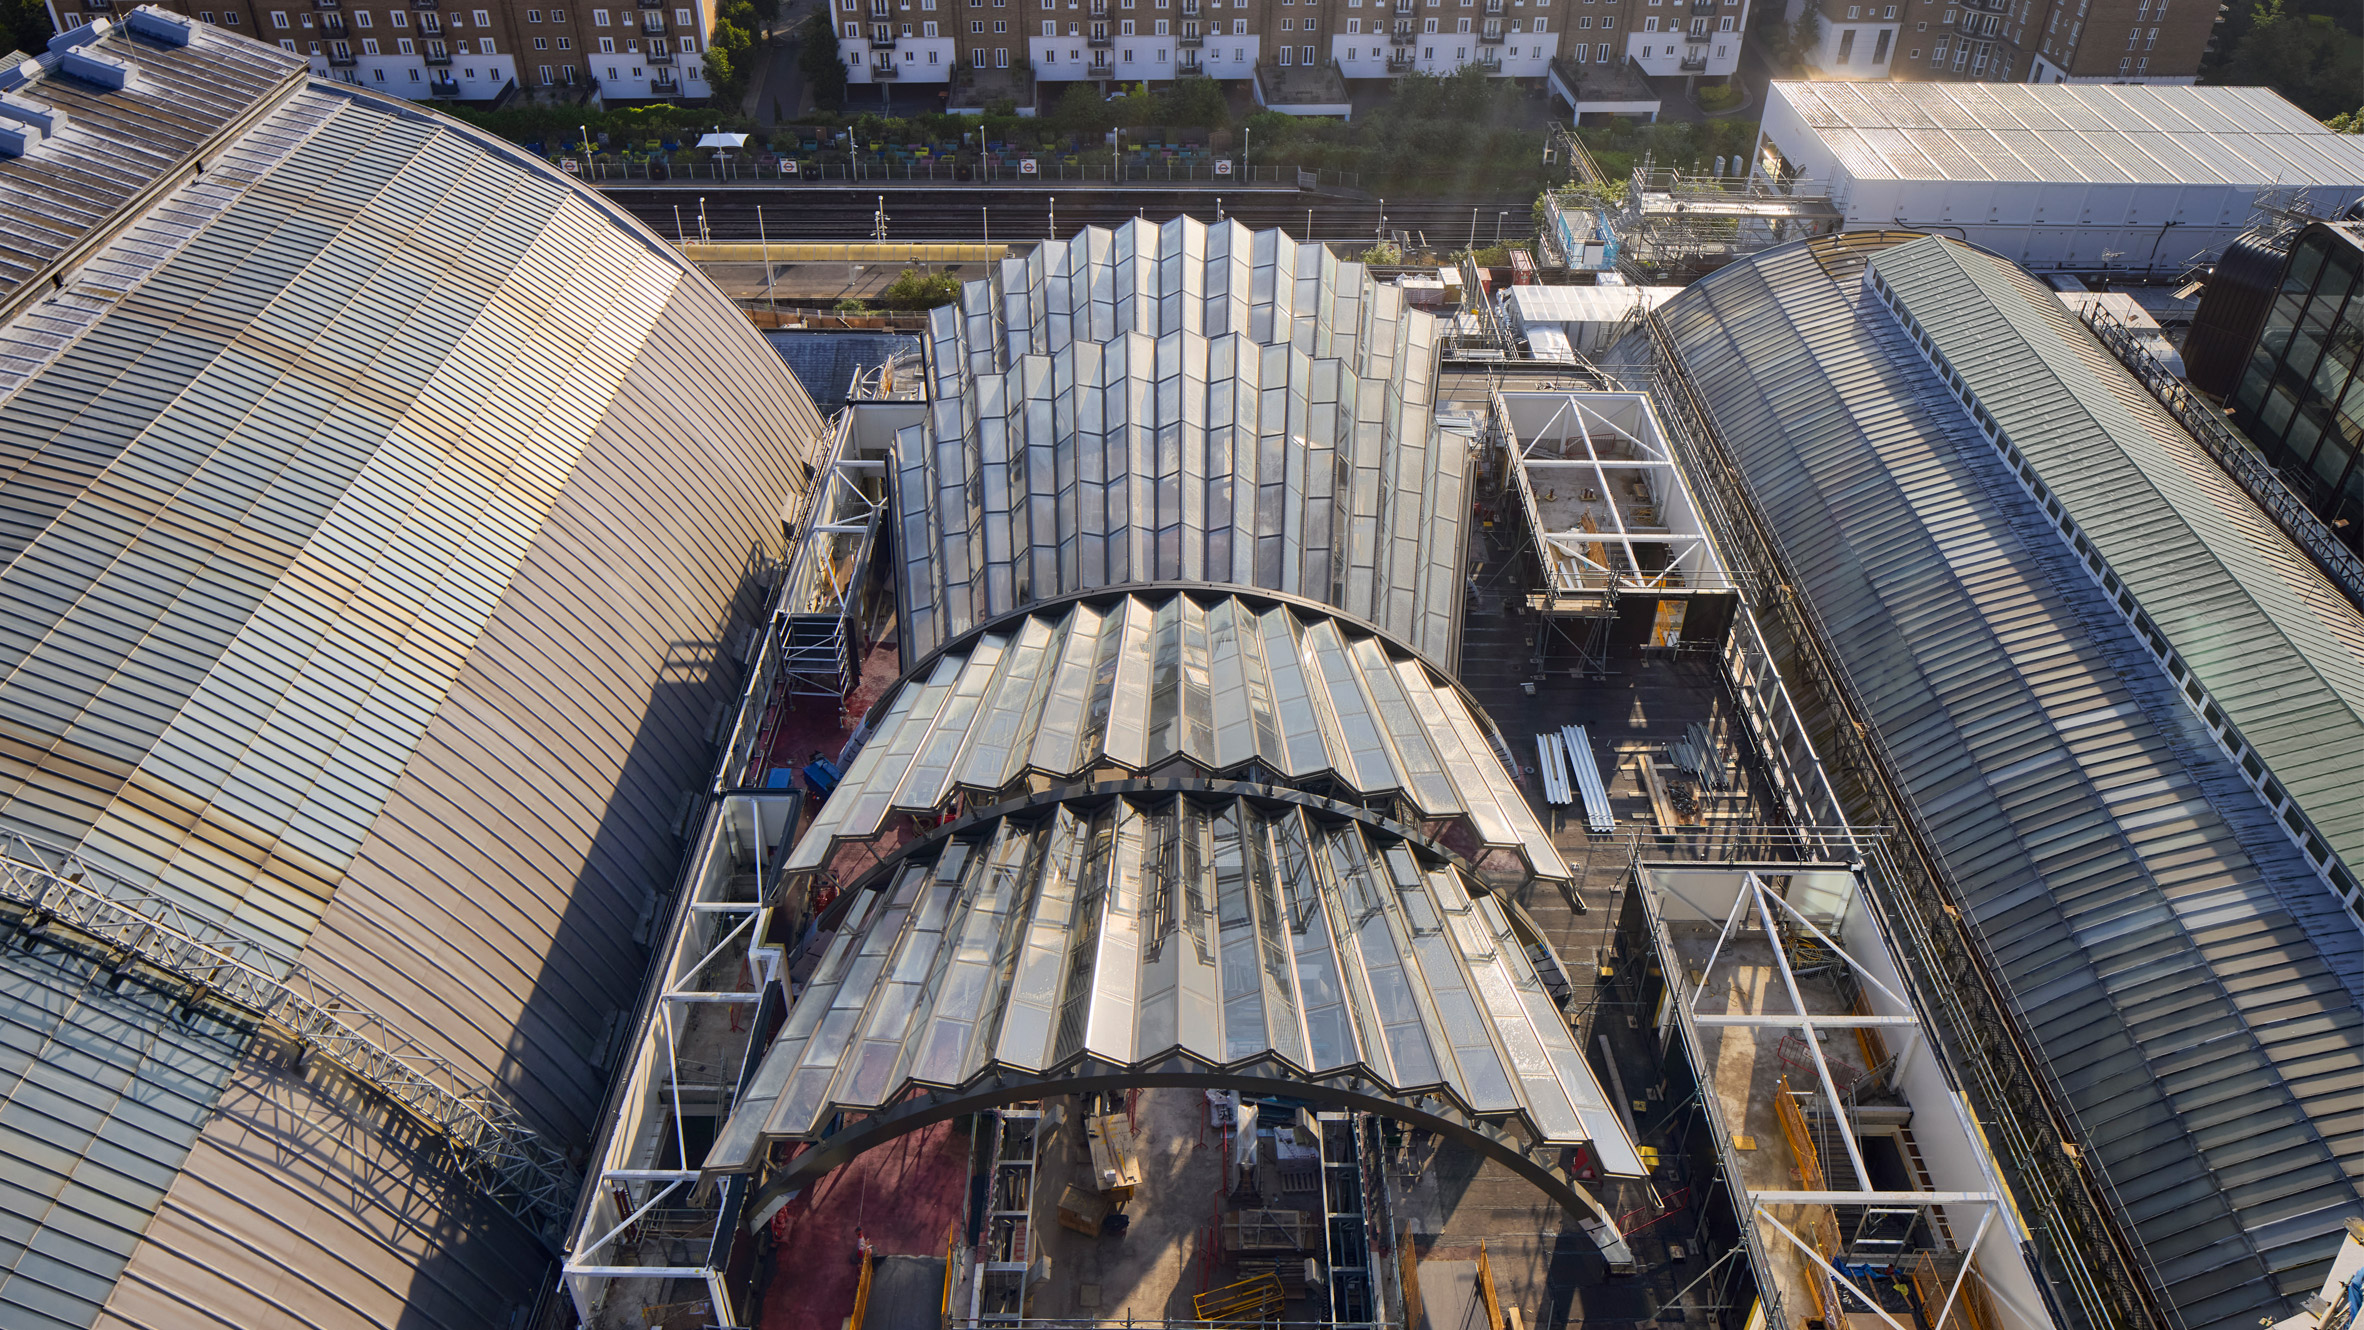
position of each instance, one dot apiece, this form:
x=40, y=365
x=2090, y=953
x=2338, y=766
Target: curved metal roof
x=1188, y=403
x=375, y=513
x=2191, y=988
x=1161, y=684
x=2266, y=637
x=1130, y=936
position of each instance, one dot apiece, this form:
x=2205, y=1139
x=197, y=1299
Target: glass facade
x=2300, y=400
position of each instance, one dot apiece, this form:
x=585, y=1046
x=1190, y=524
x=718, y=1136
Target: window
x=361, y=19
x=1161, y=27
x=1699, y=27
x=1285, y=56
x=1050, y=28
x=1354, y=27
x=484, y=46
x=1125, y=28
x=1001, y=57
x=1846, y=46
x=1880, y=48
x=278, y=20
x=976, y=27
x=1600, y=52
x=532, y=16
x=540, y=44
x=927, y=29
x=1428, y=26
x=1305, y=55
x=483, y=19
x=399, y=18
x=607, y=46
x=689, y=46
x=1608, y=21
x=369, y=46
x=1724, y=24
x=1650, y=24
x=1915, y=55
x=205, y=16
x=1000, y=26
x=1536, y=27
x=289, y=46
x=1464, y=26
x=1288, y=25
x=403, y=45
x=566, y=44
x=230, y=18
x=598, y=18
x=1851, y=11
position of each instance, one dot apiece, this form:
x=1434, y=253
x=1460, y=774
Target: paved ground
x=903, y=1197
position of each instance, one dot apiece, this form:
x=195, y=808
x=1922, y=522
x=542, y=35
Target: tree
x=817, y=56
x=2346, y=122
x=730, y=62
x=2308, y=58
x=1194, y=102
x=919, y=290
x=25, y=25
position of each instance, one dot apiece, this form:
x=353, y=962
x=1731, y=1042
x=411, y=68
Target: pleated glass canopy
x=1181, y=684
x=1173, y=933
x=1176, y=789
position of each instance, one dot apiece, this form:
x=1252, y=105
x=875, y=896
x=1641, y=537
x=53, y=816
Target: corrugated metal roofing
x=2191, y=988
x=2101, y=133
x=2277, y=647
x=375, y=512
x=116, y=145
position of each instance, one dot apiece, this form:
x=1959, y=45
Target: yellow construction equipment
x=1258, y=1298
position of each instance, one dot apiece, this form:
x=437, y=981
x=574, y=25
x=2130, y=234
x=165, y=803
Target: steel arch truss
x=1542, y=1165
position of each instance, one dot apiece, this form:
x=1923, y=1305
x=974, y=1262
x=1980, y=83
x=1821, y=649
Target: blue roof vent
x=158, y=25
x=107, y=71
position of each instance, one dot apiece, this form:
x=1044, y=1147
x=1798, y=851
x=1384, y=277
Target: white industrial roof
x=2092, y=133
x=1533, y=305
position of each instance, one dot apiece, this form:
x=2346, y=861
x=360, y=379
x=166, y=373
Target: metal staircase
x=56, y=892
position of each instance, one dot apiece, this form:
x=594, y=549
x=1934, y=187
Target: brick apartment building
x=1112, y=42
x=452, y=49
x=2014, y=41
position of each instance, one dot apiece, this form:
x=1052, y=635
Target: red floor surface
x=904, y=1196
x=809, y=725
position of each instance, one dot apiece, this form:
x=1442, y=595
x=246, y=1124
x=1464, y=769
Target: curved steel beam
x=1539, y=1165
x=925, y=665
x=1205, y=786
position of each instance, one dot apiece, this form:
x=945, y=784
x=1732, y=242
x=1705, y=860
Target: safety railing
x=2231, y=453
x=54, y=889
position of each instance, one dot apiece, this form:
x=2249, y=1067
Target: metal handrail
x=2256, y=477
x=489, y=1144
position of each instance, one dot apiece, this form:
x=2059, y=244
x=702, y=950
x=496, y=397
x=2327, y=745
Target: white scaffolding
x=1604, y=503
x=1752, y=985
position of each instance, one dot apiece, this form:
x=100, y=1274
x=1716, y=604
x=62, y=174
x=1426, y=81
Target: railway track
x=1034, y=213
